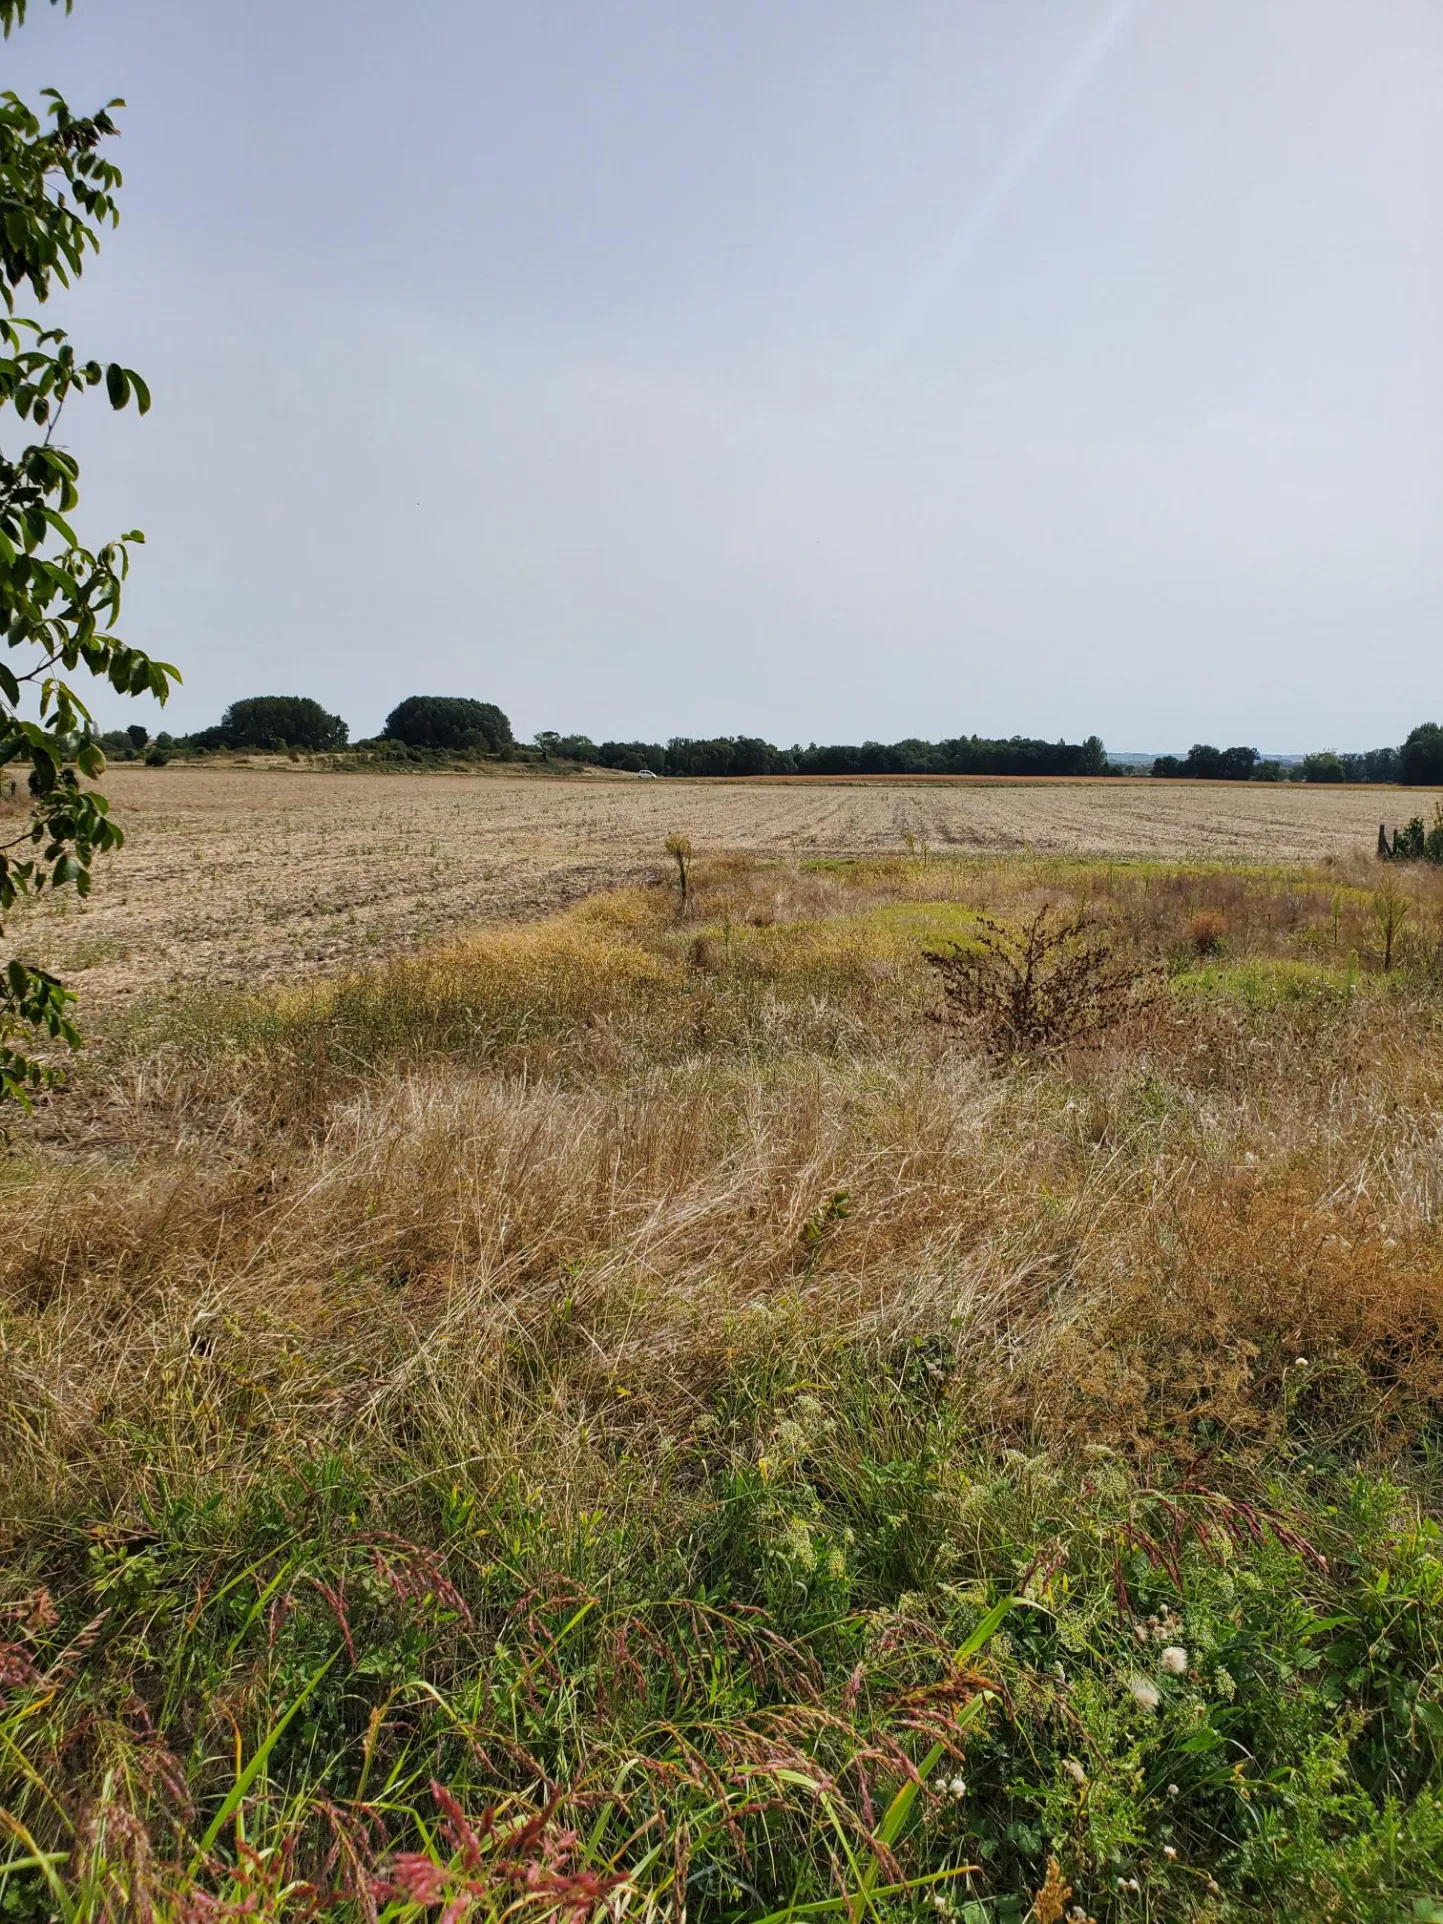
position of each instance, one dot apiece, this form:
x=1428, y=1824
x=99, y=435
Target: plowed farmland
x=246, y=874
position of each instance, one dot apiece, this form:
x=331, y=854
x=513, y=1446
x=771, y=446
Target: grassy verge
x=628, y=1415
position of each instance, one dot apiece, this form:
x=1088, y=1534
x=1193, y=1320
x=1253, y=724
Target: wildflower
x=1074, y=1770
x=1172, y=1790
x=1169, y=1852
x=1048, y=1903
x=1300, y=1362
x=1144, y=1693
x=957, y=1789
x=1174, y=1661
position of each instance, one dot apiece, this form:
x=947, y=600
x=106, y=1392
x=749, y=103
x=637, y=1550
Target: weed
x=1054, y=985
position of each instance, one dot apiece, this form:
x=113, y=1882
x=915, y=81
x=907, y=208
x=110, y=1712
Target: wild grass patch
x=623, y=1415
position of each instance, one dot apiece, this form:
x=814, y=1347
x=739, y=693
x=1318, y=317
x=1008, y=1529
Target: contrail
x=960, y=244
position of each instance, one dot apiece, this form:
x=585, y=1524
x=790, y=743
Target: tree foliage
x=264, y=721
x=453, y=722
x=1420, y=759
x=733, y=755
x=1204, y=763
x=58, y=598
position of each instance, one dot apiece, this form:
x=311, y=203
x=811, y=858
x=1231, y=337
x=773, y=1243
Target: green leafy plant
x=57, y=597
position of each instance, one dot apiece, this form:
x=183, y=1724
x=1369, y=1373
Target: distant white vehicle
x=646, y=775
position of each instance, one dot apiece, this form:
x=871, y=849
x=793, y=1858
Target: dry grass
x=683, y=1252
x=242, y=875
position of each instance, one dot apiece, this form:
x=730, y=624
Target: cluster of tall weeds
x=624, y=1415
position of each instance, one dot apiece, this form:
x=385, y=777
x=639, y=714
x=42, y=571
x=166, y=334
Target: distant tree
x=1270, y=772
x=57, y=598
x=139, y=735
x=1420, y=759
x=261, y=721
x=451, y=722
x=1204, y=763
x=565, y=748
x=632, y=757
x=1324, y=766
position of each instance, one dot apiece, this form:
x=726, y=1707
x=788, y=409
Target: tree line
x=428, y=726
x=750, y=755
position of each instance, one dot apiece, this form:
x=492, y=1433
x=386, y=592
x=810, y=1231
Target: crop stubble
x=243, y=875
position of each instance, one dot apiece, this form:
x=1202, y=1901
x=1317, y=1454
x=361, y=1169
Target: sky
x=816, y=369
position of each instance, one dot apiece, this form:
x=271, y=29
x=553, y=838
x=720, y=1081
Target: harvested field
x=240, y=875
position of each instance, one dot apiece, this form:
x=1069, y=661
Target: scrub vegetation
x=641, y=1412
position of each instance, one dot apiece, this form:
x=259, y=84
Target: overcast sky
x=819, y=369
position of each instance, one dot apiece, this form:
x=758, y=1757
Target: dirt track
x=242, y=874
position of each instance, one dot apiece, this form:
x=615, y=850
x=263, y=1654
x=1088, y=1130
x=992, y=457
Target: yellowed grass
x=248, y=875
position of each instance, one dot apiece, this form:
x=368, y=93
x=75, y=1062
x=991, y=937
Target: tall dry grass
x=575, y=1223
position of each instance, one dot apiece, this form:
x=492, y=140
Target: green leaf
x=247, y=1776
x=117, y=384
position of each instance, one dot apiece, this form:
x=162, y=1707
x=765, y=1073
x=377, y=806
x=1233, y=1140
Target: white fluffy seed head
x=1174, y=1661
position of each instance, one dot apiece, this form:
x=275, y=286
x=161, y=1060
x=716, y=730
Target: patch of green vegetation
x=925, y=922
x=1265, y=982
x=827, y=1592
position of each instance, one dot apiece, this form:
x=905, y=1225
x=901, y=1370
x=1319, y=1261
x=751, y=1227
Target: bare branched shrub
x=1054, y=985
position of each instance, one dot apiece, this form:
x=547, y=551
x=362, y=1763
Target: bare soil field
x=243, y=875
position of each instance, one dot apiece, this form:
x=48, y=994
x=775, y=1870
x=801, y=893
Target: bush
x=1054, y=986
x=451, y=722
x=1207, y=931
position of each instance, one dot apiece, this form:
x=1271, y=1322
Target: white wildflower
x=957, y=1789
x=1169, y=1852
x=1144, y=1693
x=1174, y=1661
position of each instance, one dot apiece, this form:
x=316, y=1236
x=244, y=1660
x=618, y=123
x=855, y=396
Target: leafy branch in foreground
x=58, y=598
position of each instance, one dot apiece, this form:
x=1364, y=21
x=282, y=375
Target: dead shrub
x=1056, y=985
x=1207, y=931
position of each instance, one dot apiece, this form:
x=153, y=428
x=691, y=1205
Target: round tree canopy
x=452, y=722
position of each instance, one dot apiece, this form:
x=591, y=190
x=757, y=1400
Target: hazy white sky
x=817, y=369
